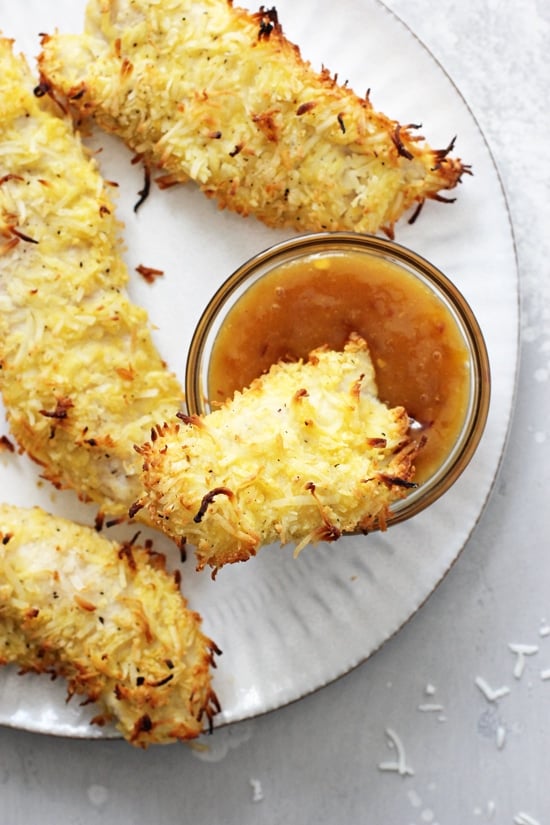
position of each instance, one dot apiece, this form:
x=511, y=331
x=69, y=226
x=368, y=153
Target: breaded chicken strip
x=212, y=93
x=110, y=619
x=80, y=377
x=306, y=453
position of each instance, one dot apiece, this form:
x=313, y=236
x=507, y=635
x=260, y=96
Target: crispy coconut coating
x=306, y=453
x=212, y=93
x=110, y=619
x=14, y=647
x=80, y=377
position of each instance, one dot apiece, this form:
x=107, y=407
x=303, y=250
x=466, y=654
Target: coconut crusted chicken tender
x=306, y=453
x=213, y=93
x=80, y=377
x=110, y=619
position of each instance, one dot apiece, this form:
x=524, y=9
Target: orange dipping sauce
x=419, y=354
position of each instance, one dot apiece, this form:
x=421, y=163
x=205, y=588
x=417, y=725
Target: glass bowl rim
x=308, y=244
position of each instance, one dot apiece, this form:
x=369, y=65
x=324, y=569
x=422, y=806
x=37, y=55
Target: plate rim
x=106, y=734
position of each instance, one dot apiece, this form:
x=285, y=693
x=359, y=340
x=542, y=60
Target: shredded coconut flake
x=521, y=652
x=525, y=819
x=257, y=791
x=400, y=764
x=500, y=736
x=491, y=694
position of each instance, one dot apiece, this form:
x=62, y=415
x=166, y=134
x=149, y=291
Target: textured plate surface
x=287, y=627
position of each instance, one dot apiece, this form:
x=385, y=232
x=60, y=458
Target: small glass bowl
x=412, y=265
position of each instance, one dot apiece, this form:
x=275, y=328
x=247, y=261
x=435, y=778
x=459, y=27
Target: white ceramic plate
x=287, y=627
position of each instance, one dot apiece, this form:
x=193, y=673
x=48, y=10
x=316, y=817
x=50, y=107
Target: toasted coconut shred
x=80, y=377
x=108, y=618
x=306, y=453
x=212, y=93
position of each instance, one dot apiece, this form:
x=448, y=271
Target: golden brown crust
x=82, y=383
x=110, y=619
x=81, y=379
x=205, y=91
x=305, y=454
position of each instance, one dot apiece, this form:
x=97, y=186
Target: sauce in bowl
x=315, y=290
x=420, y=358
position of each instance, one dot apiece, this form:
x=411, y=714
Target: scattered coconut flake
x=491, y=694
x=545, y=674
x=400, y=765
x=500, y=736
x=521, y=652
x=429, y=690
x=257, y=792
x=544, y=630
x=489, y=811
x=430, y=707
x=525, y=819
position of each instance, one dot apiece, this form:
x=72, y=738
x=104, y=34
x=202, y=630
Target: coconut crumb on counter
x=521, y=652
x=525, y=819
x=257, y=791
x=400, y=765
x=491, y=694
x=500, y=736
x=432, y=707
x=489, y=811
